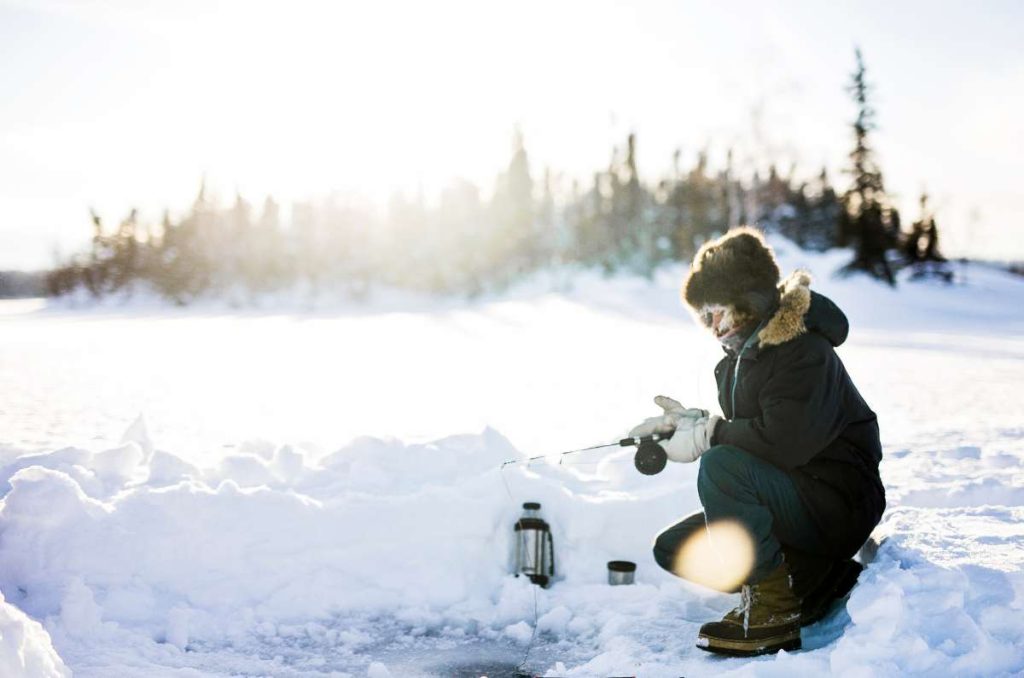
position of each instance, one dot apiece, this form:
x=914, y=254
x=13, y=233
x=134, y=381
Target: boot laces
x=746, y=602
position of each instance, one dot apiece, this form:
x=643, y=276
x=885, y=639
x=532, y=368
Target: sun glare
x=719, y=557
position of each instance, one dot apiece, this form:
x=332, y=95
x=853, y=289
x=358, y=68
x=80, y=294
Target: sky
x=117, y=104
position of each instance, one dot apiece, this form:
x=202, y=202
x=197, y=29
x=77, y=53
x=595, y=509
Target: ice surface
x=293, y=504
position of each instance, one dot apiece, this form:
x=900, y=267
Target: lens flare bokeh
x=720, y=557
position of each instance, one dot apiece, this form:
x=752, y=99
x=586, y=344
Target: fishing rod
x=650, y=457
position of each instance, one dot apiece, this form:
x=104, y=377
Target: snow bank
x=268, y=550
x=265, y=543
x=25, y=647
x=186, y=553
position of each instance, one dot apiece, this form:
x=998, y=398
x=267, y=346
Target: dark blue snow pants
x=734, y=484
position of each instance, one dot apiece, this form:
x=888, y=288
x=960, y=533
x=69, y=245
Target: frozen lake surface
x=315, y=491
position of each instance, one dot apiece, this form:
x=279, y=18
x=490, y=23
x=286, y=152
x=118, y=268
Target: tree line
x=464, y=243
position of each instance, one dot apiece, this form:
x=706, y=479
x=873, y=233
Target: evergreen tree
x=680, y=232
x=185, y=254
x=553, y=238
x=819, y=230
x=234, y=253
x=796, y=220
x=635, y=241
x=512, y=247
x=733, y=195
x=594, y=235
x=921, y=247
x=700, y=201
x=95, y=272
x=265, y=261
x=126, y=258
x=774, y=198
x=457, y=262
x=868, y=222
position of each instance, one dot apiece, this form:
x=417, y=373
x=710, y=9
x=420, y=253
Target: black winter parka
x=797, y=408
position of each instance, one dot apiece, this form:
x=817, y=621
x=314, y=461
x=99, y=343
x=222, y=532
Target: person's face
x=724, y=321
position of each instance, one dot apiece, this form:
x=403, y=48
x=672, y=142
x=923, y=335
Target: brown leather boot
x=767, y=620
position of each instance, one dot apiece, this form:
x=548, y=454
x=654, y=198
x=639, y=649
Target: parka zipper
x=736, y=372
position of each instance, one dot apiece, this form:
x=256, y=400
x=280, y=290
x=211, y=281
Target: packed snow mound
x=94, y=542
x=107, y=536
x=25, y=647
x=269, y=551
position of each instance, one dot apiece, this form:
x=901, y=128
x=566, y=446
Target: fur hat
x=738, y=269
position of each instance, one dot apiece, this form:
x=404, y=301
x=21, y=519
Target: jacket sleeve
x=801, y=408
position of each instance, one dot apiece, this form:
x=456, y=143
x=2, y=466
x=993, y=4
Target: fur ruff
x=788, y=321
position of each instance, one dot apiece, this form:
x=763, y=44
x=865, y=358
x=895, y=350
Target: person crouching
x=794, y=461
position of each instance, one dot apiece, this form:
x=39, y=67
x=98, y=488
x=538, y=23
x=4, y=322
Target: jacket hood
x=801, y=310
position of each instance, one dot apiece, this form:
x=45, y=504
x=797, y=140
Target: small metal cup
x=620, y=572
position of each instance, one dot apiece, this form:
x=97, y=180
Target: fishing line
x=650, y=459
x=533, y=633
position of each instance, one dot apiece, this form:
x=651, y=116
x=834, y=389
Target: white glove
x=669, y=421
x=691, y=439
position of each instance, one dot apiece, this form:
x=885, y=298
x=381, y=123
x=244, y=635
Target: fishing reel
x=650, y=458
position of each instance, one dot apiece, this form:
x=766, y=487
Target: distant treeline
x=465, y=244
x=22, y=284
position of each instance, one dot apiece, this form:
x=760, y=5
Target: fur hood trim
x=788, y=321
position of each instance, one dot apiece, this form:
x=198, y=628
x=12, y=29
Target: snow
x=25, y=646
x=320, y=493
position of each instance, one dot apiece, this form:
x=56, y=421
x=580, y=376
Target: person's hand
x=691, y=439
x=673, y=414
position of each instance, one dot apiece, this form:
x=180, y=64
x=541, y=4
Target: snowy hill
x=319, y=493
